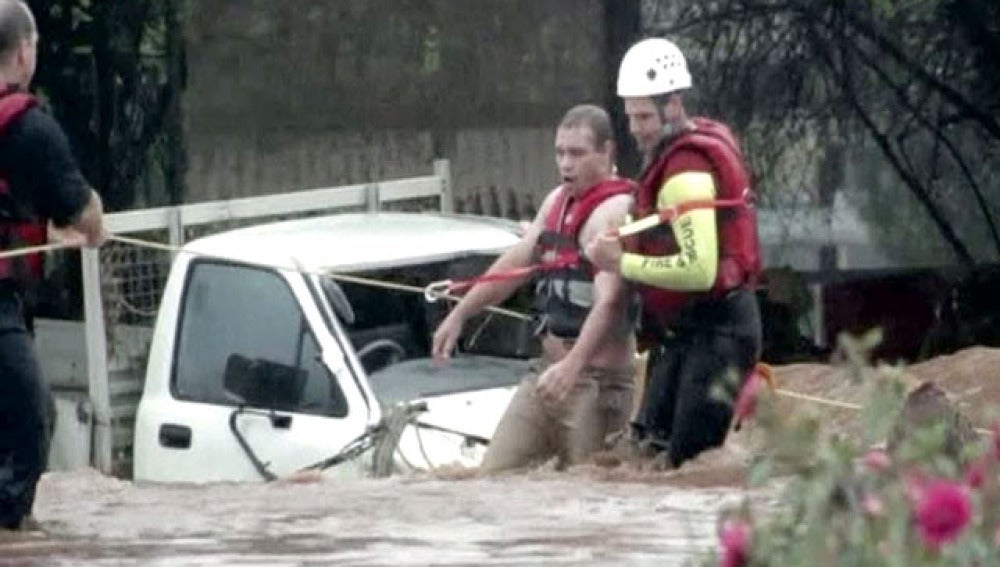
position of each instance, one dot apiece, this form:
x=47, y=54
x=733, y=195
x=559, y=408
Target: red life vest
x=565, y=295
x=565, y=218
x=18, y=229
x=739, y=249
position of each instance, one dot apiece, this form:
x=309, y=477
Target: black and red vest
x=565, y=295
x=18, y=228
x=739, y=248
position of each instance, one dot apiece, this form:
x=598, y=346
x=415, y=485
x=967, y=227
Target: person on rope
x=39, y=182
x=580, y=389
x=696, y=274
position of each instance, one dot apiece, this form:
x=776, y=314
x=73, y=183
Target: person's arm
x=88, y=227
x=491, y=293
x=694, y=267
x=43, y=172
x=604, y=318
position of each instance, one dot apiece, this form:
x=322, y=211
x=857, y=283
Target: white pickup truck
x=265, y=362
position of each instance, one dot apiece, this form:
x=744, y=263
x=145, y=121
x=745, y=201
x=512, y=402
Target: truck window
x=406, y=319
x=231, y=311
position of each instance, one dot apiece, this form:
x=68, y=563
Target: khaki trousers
x=533, y=431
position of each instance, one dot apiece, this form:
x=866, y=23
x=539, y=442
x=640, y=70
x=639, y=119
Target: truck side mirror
x=263, y=383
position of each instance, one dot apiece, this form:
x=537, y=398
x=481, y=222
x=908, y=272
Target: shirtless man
x=581, y=388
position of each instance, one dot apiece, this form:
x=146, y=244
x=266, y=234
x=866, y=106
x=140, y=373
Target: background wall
x=295, y=95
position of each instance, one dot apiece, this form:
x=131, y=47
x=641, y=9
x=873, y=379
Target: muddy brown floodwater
x=584, y=517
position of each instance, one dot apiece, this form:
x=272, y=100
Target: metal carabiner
x=436, y=290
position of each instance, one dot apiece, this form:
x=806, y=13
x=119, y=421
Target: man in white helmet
x=695, y=273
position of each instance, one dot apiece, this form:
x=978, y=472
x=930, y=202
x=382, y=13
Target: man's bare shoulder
x=611, y=208
x=548, y=200
x=608, y=214
x=619, y=204
x=538, y=223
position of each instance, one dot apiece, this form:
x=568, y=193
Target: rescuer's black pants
x=694, y=375
x=25, y=426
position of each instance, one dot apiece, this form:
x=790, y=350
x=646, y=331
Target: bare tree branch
x=844, y=73
x=939, y=135
x=870, y=31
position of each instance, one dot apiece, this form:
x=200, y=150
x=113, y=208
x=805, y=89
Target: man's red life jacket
x=565, y=295
x=18, y=229
x=739, y=249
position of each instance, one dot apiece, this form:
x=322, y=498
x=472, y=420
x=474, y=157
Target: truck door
x=258, y=386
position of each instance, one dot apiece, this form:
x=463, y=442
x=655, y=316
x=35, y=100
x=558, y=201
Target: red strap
x=571, y=258
x=670, y=214
x=567, y=259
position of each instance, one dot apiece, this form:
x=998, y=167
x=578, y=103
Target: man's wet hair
x=590, y=116
x=16, y=25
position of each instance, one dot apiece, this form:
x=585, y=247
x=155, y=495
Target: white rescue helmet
x=651, y=67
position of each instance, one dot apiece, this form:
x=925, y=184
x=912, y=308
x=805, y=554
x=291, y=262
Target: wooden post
x=442, y=169
x=372, y=198
x=818, y=315
x=175, y=229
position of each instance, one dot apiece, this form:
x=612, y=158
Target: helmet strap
x=660, y=101
x=671, y=128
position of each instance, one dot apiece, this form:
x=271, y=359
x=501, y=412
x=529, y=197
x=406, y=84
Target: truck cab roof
x=359, y=241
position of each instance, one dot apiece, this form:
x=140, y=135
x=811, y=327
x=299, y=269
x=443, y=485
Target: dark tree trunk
x=175, y=158
x=623, y=27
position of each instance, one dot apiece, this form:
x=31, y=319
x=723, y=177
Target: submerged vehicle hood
x=422, y=378
x=465, y=397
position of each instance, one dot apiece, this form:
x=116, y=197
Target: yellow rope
x=333, y=275
x=336, y=276
x=765, y=370
x=33, y=249
x=144, y=243
x=843, y=405
x=816, y=399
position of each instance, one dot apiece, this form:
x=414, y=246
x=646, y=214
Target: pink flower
x=746, y=402
x=735, y=544
x=877, y=460
x=942, y=511
x=978, y=470
x=872, y=505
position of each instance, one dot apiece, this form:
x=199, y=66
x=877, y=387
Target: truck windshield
x=402, y=323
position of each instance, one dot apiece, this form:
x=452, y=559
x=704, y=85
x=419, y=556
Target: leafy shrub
x=851, y=501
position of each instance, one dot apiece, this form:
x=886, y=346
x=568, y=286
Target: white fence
x=122, y=285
